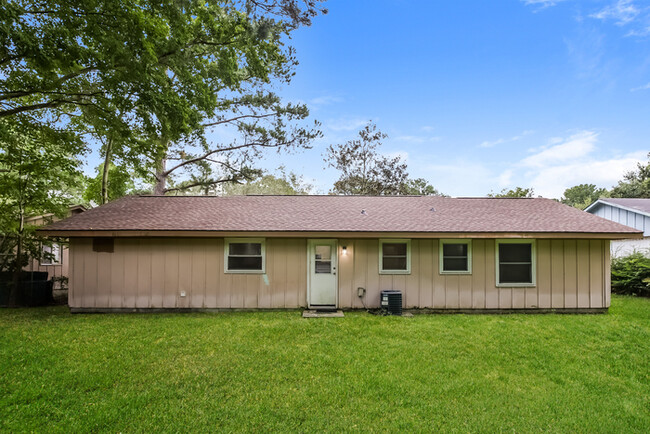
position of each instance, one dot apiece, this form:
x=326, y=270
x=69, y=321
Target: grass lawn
x=277, y=371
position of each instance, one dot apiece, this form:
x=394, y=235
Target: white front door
x=322, y=278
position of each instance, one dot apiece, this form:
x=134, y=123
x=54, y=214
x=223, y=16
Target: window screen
x=515, y=263
x=455, y=257
x=245, y=256
x=394, y=256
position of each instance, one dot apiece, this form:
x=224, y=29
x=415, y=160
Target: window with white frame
x=51, y=254
x=394, y=256
x=245, y=255
x=455, y=256
x=515, y=261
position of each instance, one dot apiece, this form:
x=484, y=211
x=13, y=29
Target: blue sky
x=481, y=95
x=478, y=96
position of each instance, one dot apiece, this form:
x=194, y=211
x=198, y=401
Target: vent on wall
x=391, y=302
x=106, y=245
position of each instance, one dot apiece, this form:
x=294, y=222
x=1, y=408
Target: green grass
x=277, y=371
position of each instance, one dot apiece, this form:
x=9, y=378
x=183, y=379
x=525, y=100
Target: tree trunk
x=161, y=178
x=107, y=166
x=13, y=294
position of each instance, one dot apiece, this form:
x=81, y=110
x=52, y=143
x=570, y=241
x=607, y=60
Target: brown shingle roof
x=337, y=214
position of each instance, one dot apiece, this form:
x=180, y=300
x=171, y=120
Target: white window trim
x=226, y=250
x=533, y=260
x=441, y=269
x=408, y=256
x=50, y=264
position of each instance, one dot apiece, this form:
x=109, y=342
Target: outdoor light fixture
x=344, y=250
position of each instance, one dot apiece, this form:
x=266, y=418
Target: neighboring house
x=57, y=264
x=263, y=252
x=630, y=212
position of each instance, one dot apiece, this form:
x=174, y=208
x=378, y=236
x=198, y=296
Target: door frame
x=335, y=255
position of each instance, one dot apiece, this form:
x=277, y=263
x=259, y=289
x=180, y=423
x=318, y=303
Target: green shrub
x=631, y=275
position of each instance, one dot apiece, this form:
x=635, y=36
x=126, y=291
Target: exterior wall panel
x=152, y=273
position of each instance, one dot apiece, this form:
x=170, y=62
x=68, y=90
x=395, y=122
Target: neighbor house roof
x=641, y=206
x=147, y=215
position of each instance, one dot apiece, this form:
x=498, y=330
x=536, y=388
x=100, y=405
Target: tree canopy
x=139, y=76
x=635, y=183
x=583, y=195
x=280, y=183
x=515, y=192
x=365, y=171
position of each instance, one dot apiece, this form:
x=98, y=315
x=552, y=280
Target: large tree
x=583, y=195
x=635, y=183
x=140, y=75
x=35, y=175
x=260, y=123
x=364, y=171
x=421, y=187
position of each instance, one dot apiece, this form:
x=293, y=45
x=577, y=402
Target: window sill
x=244, y=271
x=394, y=272
x=516, y=285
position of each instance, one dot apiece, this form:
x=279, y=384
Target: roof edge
x=626, y=208
x=635, y=234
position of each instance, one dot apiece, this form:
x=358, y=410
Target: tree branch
x=201, y=183
x=63, y=79
x=225, y=121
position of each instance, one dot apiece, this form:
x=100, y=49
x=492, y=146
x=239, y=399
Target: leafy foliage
x=631, y=275
x=35, y=175
x=260, y=121
x=364, y=171
x=120, y=184
x=420, y=187
x=516, y=192
x=139, y=75
x=583, y=195
x=282, y=183
x=635, y=184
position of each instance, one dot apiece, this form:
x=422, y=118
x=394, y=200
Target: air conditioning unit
x=391, y=302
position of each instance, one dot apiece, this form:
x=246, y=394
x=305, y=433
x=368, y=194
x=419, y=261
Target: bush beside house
x=631, y=275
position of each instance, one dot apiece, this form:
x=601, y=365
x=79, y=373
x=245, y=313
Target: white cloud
x=622, y=12
x=551, y=181
x=571, y=161
x=575, y=147
x=644, y=87
x=345, y=124
x=505, y=179
x=491, y=143
x=416, y=139
x=325, y=100
x=542, y=3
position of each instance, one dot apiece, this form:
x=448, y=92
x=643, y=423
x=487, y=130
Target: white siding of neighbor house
x=624, y=217
x=629, y=218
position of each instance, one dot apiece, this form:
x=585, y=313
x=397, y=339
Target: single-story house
x=630, y=212
x=54, y=259
x=258, y=252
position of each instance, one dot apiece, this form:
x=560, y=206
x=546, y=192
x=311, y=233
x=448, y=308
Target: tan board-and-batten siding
x=152, y=273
